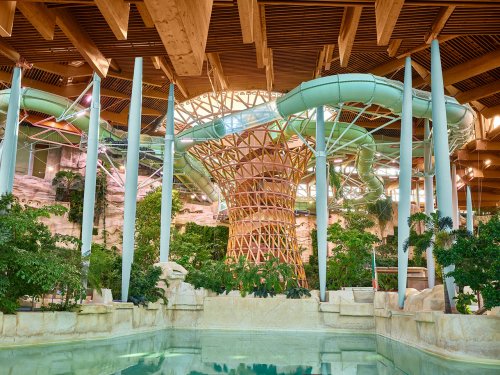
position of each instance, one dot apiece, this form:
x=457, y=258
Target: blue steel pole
x=91, y=167
x=168, y=175
x=429, y=200
x=8, y=165
x=321, y=199
x=405, y=169
x=441, y=149
x=132, y=169
x=470, y=217
x=454, y=197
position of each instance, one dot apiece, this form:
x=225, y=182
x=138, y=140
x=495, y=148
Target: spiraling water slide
x=364, y=89
x=263, y=182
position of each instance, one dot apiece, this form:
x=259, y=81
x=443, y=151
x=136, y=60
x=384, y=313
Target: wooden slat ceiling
x=294, y=34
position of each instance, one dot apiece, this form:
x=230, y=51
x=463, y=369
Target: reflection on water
x=178, y=352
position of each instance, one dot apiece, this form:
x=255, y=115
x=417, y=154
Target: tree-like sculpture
x=258, y=172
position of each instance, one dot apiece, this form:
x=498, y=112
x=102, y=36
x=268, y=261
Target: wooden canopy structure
x=212, y=45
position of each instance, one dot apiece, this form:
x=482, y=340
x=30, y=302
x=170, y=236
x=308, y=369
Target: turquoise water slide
x=334, y=91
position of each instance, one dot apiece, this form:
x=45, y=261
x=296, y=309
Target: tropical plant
x=437, y=234
x=297, y=293
x=33, y=261
x=143, y=284
x=382, y=209
x=222, y=276
x=311, y=268
x=105, y=268
x=335, y=181
x=148, y=224
x=350, y=262
x=477, y=263
x=66, y=182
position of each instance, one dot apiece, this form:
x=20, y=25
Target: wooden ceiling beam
x=258, y=38
x=487, y=184
x=82, y=42
x=491, y=197
x=7, y=11
x=122, y=117
x=269, y=70
x=183, y=29
x=160, y=64
x=491, y=111
x=393, y=48
x=483, y=145
x=424, y=46
x=144, y=13
x=40, y=17
x=246, y=10
x=388, y=68
x=466, y=70
x=439, y=23
x=386, y=16
x=474, y=156
x=479, y=92
x=347, y=34
x=329, y=56
x=65, y=70
x=9, y=52
x=214, y=60
x=116, y=13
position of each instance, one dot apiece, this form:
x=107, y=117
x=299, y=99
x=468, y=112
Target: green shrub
x=33, y=261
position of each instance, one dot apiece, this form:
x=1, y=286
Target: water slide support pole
x=90, y=174
x=429, y=200
x=405, y=169
x=8, y=165
x=441, y=150
x=470, y=217
x=321, y=199
x=168, y=175
x=132, y=169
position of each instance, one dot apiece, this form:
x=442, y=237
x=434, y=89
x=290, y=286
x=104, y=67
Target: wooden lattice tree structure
x=258, y=172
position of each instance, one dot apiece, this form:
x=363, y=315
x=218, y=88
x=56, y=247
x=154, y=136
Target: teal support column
x=454, y=197
x=168, y=176
x=9, y=150
x=441, y=149
x=405, y=169
x=132, y=169
x=321, y=199
x=470, y=217
x=429, y=200
x=91, y=168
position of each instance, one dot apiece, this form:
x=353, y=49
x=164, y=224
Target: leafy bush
x=105, y=268
x=265, y=279
x=387, y=281
x=143, y=281
x=350, y=262
x=148, y=225
x=477, y=261
x=297, y=293
x=33, y=261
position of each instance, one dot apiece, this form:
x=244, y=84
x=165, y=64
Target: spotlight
x=88, y=98
x=122, y=167
x=204, y=197
x=193, y=196
x=487, y=162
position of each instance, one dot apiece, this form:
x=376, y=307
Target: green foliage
x=70, y=188
x=476, y=260
x=335, y=181
x=463, y=302
x=297, y=293
x=143, y=281
x=311, y=268
x=105, y=268
x=265, y=279
x=34, y=262
x=387, y=281
x=349, y=264
x=382, y=209
x=148, y=224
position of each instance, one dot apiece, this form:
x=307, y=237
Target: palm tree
x=438, y=234
x=382, y=209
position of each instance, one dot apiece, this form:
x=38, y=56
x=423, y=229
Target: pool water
x=189, y=352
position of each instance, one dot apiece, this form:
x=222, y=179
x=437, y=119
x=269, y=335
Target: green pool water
x=180, y=352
